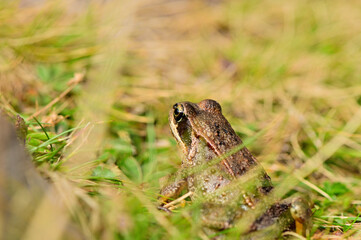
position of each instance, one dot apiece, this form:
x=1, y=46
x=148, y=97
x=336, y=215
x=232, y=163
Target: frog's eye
x=178, y=112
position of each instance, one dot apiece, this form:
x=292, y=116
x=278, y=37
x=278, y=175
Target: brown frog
x=222, y=174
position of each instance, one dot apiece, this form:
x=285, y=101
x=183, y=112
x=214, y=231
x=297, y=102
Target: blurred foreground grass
x=95, y=81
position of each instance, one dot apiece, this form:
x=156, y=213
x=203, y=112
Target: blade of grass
x=50, y=155
x=42, y=128
x=353, y=222
x=53, y=139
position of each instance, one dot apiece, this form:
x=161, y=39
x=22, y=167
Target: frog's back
x=209, y=123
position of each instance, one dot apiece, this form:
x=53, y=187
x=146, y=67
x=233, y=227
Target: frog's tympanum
x=228, y=181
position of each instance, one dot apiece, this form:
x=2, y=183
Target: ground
x=95, y=81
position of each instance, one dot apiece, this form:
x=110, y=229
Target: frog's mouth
x=185, y=135
x=184, y=132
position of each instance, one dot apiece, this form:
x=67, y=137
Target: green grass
x=286, y=72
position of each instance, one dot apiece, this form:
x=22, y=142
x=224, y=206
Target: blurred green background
x=95, y=80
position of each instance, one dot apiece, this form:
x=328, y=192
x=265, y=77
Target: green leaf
x=33, y=141
x=38, y=135
x=43, y=72
x=103, y=172
x=131, y=168
x=335, y=189
x=104, y=157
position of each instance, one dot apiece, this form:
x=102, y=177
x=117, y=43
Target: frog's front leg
x=173, y=188
x=216, y=216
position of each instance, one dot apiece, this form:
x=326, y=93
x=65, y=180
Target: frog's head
x=205, y=119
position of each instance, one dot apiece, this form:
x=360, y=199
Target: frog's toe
x=301, y=213
x=164, y=209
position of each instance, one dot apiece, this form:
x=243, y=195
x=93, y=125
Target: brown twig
x=178, y=199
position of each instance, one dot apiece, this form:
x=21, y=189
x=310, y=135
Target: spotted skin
x=205, y=135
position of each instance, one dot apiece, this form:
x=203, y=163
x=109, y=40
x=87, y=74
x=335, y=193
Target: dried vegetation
x=94, y=82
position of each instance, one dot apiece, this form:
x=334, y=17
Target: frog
x=222, y=174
